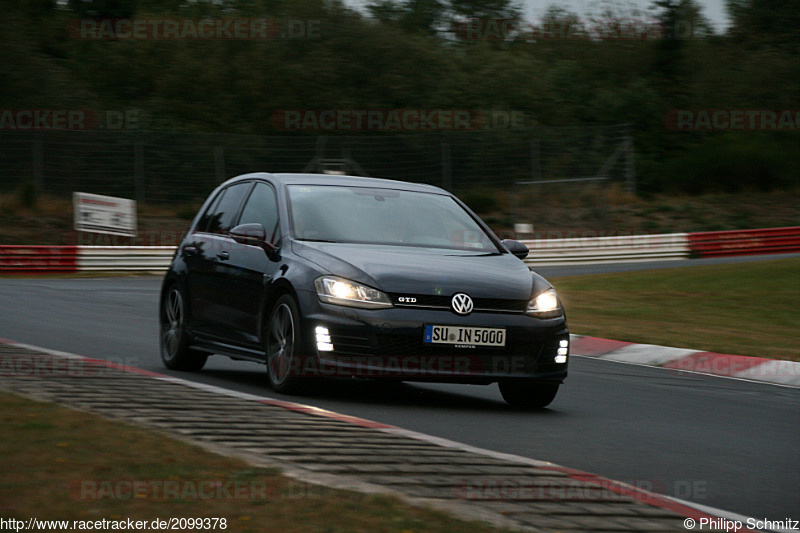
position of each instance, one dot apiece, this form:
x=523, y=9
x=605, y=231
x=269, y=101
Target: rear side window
x=223, y=212
x=202, y=224
x=261, y=208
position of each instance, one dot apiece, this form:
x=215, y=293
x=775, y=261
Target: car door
x=248, y=272
x=209, y=250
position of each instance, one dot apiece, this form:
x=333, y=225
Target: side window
x=202, y=224
x=262, y=207
x=223, y=214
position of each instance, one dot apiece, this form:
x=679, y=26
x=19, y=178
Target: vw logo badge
x=462, y=304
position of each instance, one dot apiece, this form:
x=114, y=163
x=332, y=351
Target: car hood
x=428, y=271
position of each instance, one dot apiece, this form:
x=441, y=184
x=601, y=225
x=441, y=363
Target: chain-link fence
x=161, y=167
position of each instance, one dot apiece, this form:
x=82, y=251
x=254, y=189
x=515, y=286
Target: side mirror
x=516, y=248
x=253, y=235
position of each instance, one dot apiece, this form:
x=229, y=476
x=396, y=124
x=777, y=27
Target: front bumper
x=388, y=344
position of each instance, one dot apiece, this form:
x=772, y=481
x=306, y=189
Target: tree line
x=685, y=89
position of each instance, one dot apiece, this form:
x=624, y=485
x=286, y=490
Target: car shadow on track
x=379, y=393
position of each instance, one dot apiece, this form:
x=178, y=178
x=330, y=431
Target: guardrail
x=154, y=259
x=554, y=252
x=745, y=242
x=624, y=249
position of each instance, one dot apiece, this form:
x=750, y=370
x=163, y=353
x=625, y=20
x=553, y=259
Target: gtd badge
x=462, y=304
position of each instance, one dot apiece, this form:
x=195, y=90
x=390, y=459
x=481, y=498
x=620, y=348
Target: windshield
x=329, y=213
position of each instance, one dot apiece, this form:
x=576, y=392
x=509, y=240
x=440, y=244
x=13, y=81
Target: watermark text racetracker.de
x=571, y=29
x=535, y=490
x=182, y=29
x=70, y=119
x=171, y=489
x=120, y=524
x=692, y=120
x=396, y=119
x=192, y=490
x=409, y=366
x=35, y=366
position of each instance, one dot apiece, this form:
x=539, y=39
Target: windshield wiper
x=317, y=240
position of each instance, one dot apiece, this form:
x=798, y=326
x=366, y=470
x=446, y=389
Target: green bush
x=480, y=201
x=27, y=194
x=733, y=163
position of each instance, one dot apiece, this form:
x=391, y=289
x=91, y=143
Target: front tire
x=174, y=340
x=527, y=393
x=283, y=344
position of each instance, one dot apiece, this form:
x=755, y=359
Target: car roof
x=339, y=180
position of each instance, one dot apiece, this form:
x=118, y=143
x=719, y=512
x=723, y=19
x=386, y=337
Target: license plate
x=465, y=335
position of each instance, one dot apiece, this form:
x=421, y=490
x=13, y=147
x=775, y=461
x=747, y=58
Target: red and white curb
x=774, y=371
x=694, y=513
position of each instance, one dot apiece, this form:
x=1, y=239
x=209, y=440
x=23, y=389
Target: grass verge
x=742, y=309
x=61, y=464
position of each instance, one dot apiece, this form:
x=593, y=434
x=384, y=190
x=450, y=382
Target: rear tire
x=528, y=393
x=283, y=346
x=174, y=339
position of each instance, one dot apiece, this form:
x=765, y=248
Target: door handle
x=224, y=256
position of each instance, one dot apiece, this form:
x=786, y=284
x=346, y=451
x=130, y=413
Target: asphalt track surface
x=724, y=443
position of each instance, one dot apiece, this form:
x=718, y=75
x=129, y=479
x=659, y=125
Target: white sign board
x=523, y=228
x=104, y=214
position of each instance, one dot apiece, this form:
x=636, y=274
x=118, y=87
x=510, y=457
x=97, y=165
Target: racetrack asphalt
x=718, y=442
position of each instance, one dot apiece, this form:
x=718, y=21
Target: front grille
x=491, y=305
x=412, y=344
x=516, y=357
x=351, y=344
x=498, y=305
x=523, y=354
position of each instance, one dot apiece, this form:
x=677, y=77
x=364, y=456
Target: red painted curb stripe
x=124, y=368
x=715, y=363
x=623, y=489
x=595, y=346
x=307, y=409
x=652, y=499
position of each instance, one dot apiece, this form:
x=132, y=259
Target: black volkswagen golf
x=335, y=276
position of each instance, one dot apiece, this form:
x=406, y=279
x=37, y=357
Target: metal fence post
x=630, y=166
x=219, y=164
x=536, y=159
x=38, y=165
x=447, y=178
x=138, y=171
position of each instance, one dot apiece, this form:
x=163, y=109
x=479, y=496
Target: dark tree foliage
x=775, y=22
x=680, y=20
x=432, y=16
x=483, y=9
x=103, y=8
x=426, y=16
x=401, y=56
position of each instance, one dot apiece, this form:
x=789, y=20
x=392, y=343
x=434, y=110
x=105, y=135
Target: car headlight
x=545, y=303
x=340, y=291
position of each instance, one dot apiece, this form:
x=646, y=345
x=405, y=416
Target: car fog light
x=563, y=347
x=324, y=343
x=563, y=350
